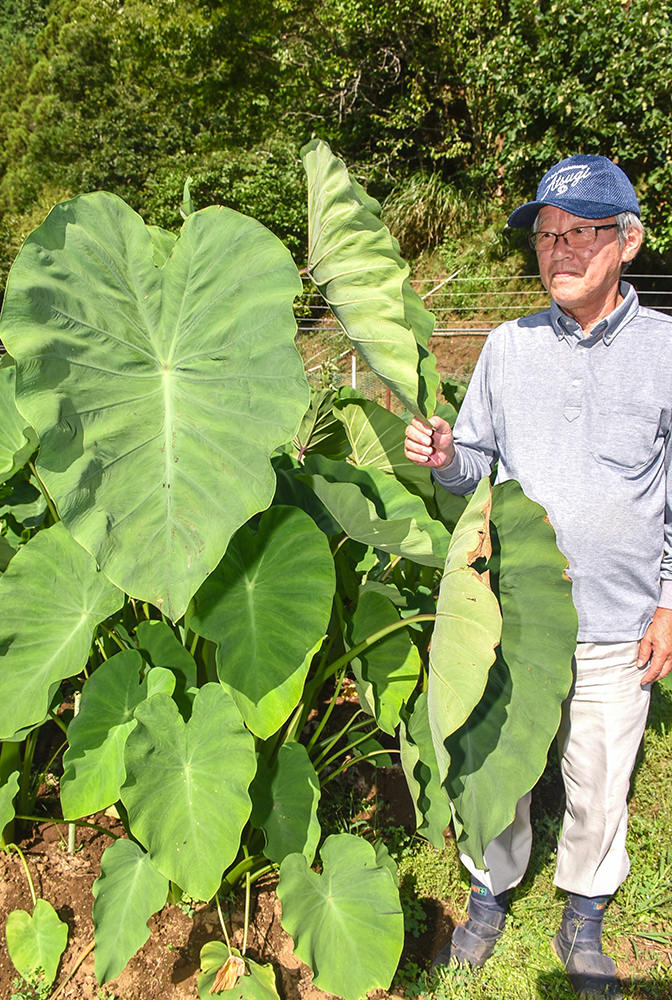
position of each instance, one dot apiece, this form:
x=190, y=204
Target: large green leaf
x=376, y=437
x=158, y=393
x=17, y=439
x=52, y=598
x=127, y=892
x=359, y=271
x=36, y=943
x=347, y=923
x=186, y=786
x=467, y=629
x=418, y=760
x=258, y=982
x=266, y=606
x=285, y=797
x=387, y=672
x=500, y=752
x=374, y=508
x=93, y=765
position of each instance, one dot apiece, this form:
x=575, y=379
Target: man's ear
x=633, y=242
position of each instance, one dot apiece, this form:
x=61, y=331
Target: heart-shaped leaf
x=158, y=393
x=186, y=786
x=35, y=944
x=93, y=765
x=266, y=606
x=52, y=598
x=347, y=923
x=127, y=892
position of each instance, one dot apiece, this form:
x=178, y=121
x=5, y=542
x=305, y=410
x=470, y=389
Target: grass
x=638, y=924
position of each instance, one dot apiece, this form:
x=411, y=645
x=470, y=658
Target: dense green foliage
x=466, y=102
x=203, y=552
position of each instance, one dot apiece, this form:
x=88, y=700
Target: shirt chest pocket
x=625, y=438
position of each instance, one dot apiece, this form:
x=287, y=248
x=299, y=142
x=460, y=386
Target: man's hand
x=655, y=649
x=429, y=444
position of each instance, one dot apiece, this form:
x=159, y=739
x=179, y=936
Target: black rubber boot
x=474, y=942
x=578, y=945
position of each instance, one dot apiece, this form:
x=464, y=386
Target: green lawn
x=638, y=924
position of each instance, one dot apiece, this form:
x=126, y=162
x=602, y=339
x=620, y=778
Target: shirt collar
x=565, y=327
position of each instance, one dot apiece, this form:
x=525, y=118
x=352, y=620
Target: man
x=575, y=403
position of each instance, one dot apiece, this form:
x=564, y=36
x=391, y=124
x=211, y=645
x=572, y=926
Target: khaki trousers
x=603, y=721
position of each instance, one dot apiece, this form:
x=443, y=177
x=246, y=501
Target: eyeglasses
x=577, y=238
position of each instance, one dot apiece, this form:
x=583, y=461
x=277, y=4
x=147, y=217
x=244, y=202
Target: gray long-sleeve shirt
x=583, y=424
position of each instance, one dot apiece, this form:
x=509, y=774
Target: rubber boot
x=474, y=942
x=578, y=945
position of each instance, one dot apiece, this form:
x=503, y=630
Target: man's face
x=584, y=280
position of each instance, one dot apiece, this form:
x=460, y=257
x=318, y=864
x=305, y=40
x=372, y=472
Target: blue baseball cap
x=592, y=187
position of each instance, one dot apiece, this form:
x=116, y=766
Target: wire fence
x=464, y=307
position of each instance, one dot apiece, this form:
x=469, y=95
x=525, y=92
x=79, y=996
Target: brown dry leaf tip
x=229, y=975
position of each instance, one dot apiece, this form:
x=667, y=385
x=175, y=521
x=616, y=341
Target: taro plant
x=204, y=552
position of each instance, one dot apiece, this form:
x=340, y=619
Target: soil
x=457, y=355
x=167, y=966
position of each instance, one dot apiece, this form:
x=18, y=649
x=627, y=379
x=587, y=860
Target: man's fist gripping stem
x=429, y=443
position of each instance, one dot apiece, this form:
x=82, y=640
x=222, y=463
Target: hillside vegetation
x=448, y=110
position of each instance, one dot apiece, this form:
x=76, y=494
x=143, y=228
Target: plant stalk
x=333, y=740
x=44, y=491
x=71, y=826
x=350, y=746
x=355, y=760
x=67, y=822
x=247, y=910
x=18, y=850
x=372, y=639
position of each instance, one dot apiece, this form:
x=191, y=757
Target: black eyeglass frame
x=533, y=237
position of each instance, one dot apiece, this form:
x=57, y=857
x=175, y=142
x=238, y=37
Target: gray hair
x=627, y=221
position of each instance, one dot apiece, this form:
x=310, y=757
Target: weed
x=187, y=905
x=411, y=979
x=428, y=872
x=104, y=995
x=415, y=918
x=34, y=988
